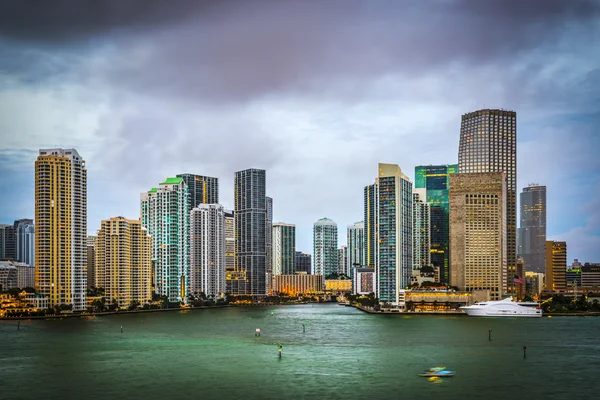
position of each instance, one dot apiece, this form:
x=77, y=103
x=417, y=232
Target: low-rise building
x=428, y=300
x=338, y=285
x=590, y=275
x=294, y=285
x=362, y=281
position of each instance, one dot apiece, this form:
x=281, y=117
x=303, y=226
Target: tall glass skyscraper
x=370, y=221
x=356, y=246
x=325, y=247
x=201, y=189
x=25, y=231
x=435, y=179
x=488, y=143
x=250, y=228
x=421, y=230
x=284, y=249
x=395, y=234
x=531, y=236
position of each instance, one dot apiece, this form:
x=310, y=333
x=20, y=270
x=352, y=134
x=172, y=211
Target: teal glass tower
x=436, y=180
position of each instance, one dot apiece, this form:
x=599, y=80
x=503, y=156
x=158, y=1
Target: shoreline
x=458, y=313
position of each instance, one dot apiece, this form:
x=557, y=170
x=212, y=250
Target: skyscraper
x=370, y=203
x=8, y=248
x=25, y=241
x=201, y=189
x=488, y=143
x=531, y=236
x=325, y=247
x=61, y=226
x=478, y=232
x=250, y=228
x=207, y=249
x=303, y=262
x=356, y=246
x=556, y=266
x=229, y=240
x=165, y=215
x=123, y=261
x=436, y=180
x=421, y=230
x=395, y=234
x=91, y=262
x=284, y=249
x=269, y=245
x=343, y=261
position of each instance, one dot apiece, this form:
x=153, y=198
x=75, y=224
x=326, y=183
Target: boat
x=437, y=372
x=503, y=308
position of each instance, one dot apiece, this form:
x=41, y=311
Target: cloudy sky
x=315, y=92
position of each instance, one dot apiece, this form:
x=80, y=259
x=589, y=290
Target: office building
x=356, y=246
x=363, y=281
x=478, y=233
x=421, y=229
x=269, y=246
x=201, y=189
x=531, y=235
x=298, y=284
x=61, y=227
x=207, y=250
x=8, y=247
x=556, y=266
x=25, y=275
x=395, y=234
x=123, y=262
x=590, y=275
x=488, y=143
x=534, y=283
x=229, y=240
x=303, y=262
x=573, y=277
x=9, y=276
x=284, y=249
x=325, y=247
x=435, y=179
x=250, y=229
x=25, y=241
x=91, y=261
x=370, y=220
x=164, y=212
x=343, y=264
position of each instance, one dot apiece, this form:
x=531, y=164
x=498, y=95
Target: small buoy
x=549, y=316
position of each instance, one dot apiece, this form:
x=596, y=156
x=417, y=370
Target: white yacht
x=503, y=308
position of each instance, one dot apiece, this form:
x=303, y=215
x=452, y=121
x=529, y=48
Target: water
x=344, y=354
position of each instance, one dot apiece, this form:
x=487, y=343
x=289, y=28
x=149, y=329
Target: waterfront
x=344, y=353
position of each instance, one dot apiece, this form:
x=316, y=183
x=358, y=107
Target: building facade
x=298, y=284
x=303, y=263
x=269, y=246
x=435, y=179
x=61, y=227
x=25, y=241
x=164, y=214
x=9, y=276
x=325, y=247
x=394, y=233
x=370, y=221
x=356, y=245
x=91, y=261
x=8, y=245
x=207, y=250
x=284, y=249
x=556, y=266
x=590, y=275
x=229, y=226
x=201, y=189
x=531, y=235
x=478, y=233
x=421, y=229
x=25, y=275
x=488, y=143
x=123, y=262
x=343, y=264
x=250, y=229
x=363, y=281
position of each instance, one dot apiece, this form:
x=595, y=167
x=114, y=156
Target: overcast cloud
x=315, y=92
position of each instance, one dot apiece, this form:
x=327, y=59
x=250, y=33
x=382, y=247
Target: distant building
x=229, y=240
x=294, y=285
x=25, y=275
x=8, y=248
x=91, y=261
x=338, y=286
x=356, y=246
x=590, y=275
x=343, y=263
x=519, y=279
x=488, y=144
x=235, y=282
x=9, y=276
x=556, y=266
x=201, y=189
x=207, y=250
x=25, y=241
x=435, y=179
x=429, y=300
x=531, y=236
x=534, y=283
x=269, y=246
x=284, y=249
x=370, y=221
x=166, y=217
x=477, y=233
x=573, y=277
x=303, y=262
x=421, y=230
x=394, y=234
x=325, y=247
x=123, y=261
x=363, y=281
x=61, y=227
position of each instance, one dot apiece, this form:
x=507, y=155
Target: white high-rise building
x=284, y=249
x=207, y=250
x=61, y=227
x=356, y=246
x=165, y=215
x=421, y=229
x=325, y=247
x=395, y=234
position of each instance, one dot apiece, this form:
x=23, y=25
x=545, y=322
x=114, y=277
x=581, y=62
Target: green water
x=344, y=354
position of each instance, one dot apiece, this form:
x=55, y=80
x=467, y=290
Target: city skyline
x=339, y=113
